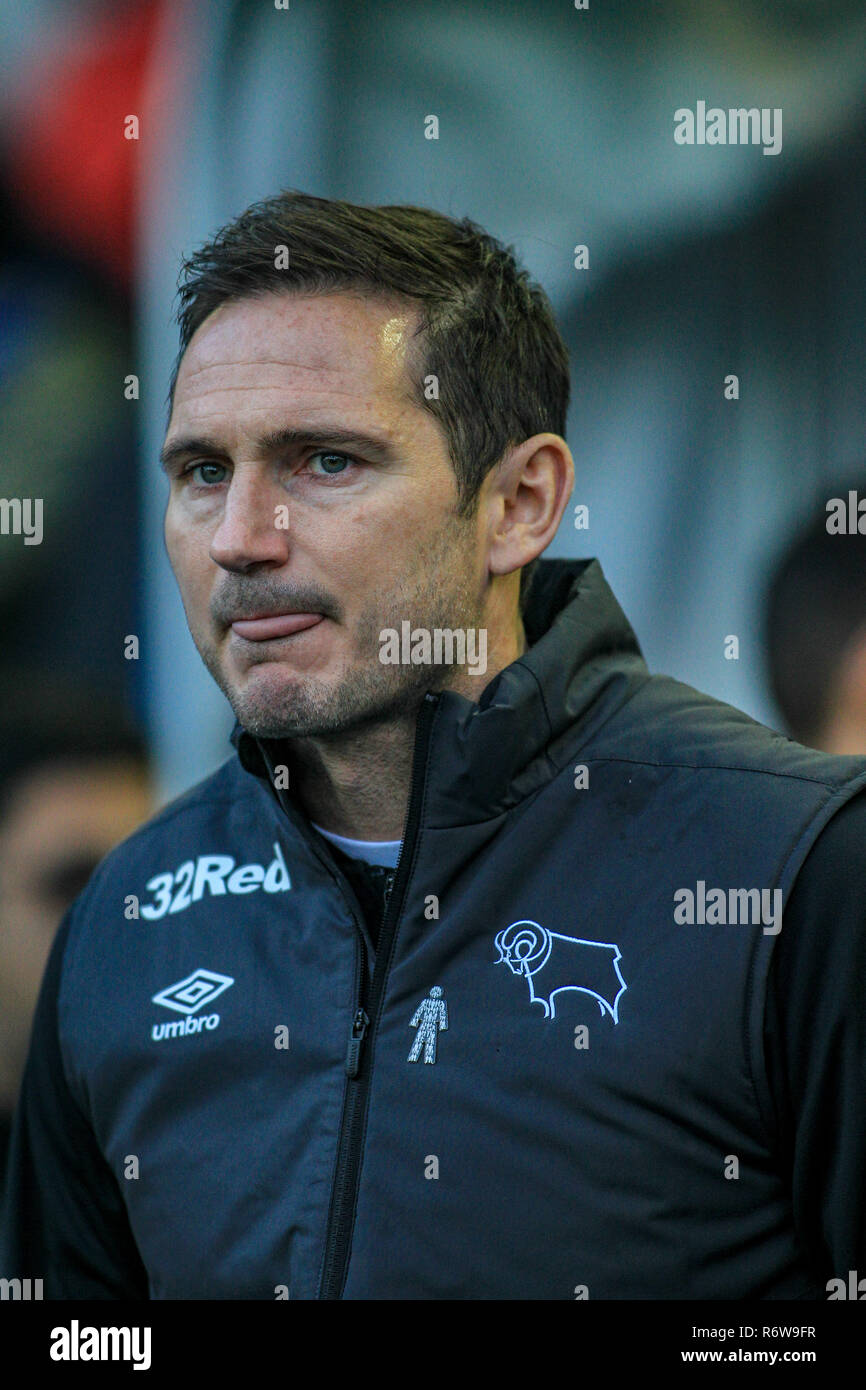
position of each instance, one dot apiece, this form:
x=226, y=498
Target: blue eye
x=202, y=470
x=328, y=454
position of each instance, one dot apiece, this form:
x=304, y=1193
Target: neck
x=358, y=785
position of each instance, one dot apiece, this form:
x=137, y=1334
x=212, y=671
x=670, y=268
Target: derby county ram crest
x=552, y=963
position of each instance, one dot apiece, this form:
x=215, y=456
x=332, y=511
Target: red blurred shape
x=68, y=166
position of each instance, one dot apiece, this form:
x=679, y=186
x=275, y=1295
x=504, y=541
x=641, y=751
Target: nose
x=252, y=529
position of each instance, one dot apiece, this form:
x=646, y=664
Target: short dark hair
x=488, y=331
x=815, y=603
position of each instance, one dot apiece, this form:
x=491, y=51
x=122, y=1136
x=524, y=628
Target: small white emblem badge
x=431, y=1019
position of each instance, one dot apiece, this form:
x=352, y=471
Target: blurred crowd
x=74, y=766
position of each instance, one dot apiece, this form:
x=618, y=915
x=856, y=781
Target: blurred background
x=555, y=130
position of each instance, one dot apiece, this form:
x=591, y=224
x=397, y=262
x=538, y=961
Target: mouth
x=267, y=628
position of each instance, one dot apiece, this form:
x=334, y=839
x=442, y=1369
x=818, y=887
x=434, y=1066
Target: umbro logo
x=191, y=994
x=187, y=996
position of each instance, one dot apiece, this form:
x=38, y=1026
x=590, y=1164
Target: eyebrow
x=323, y=436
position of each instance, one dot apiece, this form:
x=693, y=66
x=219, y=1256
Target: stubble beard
x=439, y=594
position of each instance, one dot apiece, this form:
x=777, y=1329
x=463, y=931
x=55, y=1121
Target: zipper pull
x=353, y=1056
x=389, y=884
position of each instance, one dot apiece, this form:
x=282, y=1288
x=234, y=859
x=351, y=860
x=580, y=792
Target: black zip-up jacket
x=609, y=1043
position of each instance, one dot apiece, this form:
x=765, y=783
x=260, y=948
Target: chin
x=267, y=687
x=271, y=702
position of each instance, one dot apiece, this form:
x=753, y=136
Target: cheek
x=171, y=533
x=374, y=532
x=187, y=553
x=371, y=556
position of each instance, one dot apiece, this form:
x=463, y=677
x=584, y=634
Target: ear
x=527, y=493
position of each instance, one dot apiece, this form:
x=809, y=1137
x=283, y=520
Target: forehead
x=279, y=348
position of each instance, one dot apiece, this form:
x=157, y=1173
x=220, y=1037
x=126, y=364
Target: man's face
x=351, y=519
x=56, y=823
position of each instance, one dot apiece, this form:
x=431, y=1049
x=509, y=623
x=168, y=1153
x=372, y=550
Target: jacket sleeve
x=63, y=1220
x=815, y=1046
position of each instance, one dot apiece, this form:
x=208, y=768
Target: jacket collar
x=582, y=661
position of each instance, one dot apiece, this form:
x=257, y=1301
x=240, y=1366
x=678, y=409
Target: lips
x=277, y=625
